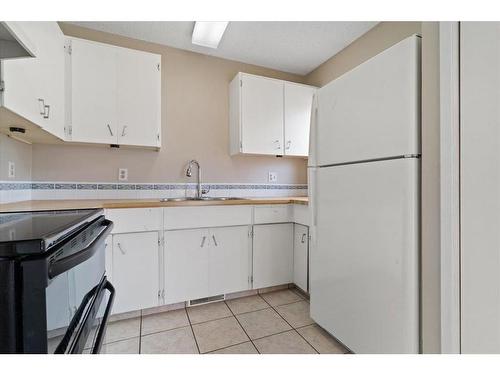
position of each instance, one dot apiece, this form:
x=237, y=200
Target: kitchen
x=166, y=194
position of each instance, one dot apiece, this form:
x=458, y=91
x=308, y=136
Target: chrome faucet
x=189, y=173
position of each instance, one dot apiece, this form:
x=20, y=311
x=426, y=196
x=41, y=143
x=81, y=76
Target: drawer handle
x=110, y=131
x=215, y=241
x=120, y=248
x=203, y=241
x=41, y=105
x=303, y=240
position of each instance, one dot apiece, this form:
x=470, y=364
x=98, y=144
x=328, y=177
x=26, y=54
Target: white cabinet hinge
x=159, y=294
x=250, y=233
x=158, y=67
x=68, y=48
x=241, y=145
x=251, y=279
x=163, y=293
x=2, y=85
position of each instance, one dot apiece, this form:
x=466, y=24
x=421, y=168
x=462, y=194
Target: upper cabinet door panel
x=93, y=92
x=261, y=115
x=32, y=83
x=373, y=111
x=298, y=102
x=139, y=98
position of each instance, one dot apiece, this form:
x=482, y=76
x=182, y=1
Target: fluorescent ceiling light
x=208, y=34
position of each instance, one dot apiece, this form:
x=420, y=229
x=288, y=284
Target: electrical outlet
x=273, y=177
x=122, y=174
x=12, y=169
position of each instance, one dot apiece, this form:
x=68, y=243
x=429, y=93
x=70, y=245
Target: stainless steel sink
x=201, y=199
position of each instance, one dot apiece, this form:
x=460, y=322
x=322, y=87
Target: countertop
x=74, y=204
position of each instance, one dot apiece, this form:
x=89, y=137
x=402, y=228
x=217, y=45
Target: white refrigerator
x=364, y=176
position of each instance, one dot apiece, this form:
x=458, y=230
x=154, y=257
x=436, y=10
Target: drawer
x=204, y=217
x=128, y=220
x=301, y=214
x=276, y=213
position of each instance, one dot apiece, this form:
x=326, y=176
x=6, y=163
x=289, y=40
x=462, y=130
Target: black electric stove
x=54, y=295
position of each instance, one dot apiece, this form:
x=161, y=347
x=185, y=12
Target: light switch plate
x=122, y=174
x=12, y=169
x=273, y=177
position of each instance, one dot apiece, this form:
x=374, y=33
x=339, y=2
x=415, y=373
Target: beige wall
x=381, y=37
x=17, y=152
x=194, y=125
x=431, y=304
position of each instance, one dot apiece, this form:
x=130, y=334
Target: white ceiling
x=295, y=47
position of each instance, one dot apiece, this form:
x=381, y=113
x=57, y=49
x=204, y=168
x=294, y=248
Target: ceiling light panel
x=208, y=33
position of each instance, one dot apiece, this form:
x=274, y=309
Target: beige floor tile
x=321, y=340
x=262, y=323
x=245, y=348
x=218, y=334
x=123, y=329
x=175, y=341
x=129, y=346
x=164, y=321
x=284, y=343
x=296, y=314
x=281, y=297
x=247, y=304
x=210, y=311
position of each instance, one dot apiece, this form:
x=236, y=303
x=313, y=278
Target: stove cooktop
x=35, y=232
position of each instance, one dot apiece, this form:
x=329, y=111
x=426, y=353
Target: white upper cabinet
x=139, y=98
x=34, y=86
x=93, y=115
x=298, y=103
x=115, y=95
x=269, y=116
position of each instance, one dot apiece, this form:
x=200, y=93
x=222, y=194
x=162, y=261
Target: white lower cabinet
x=272, y=255
x=186, y=264
x=229, y=260
x=206, y=262
x=135, y=267
x=301, y=256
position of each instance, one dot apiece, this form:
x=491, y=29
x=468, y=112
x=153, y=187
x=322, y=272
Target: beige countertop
x=74, y=204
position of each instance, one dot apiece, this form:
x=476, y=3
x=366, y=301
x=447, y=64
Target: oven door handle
x=102, y=329
x=62, y=265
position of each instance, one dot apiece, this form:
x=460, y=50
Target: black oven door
x=78, y=296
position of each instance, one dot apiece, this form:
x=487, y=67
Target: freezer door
x=364, y=267
x=372, y=111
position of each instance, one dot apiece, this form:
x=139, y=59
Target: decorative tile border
x=24, y=190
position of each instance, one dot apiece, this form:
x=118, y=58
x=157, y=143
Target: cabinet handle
x=46, y=112
x=110, y=131
x=215, y=241
x=303, y=240
x=41, y=106
x=120, y=248
x=123, y=130
x=203, y=241
x=278, y=144
x=288, y=144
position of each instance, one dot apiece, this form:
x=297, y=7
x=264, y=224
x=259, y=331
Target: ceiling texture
x=294, y=47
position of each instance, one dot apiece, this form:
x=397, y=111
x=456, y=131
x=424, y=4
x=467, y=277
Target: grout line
x=212, y=320
x=239, y=323
x=163, y=330
x=274, y=334
x=230, y=346
x=192, y=331
x=311, y=345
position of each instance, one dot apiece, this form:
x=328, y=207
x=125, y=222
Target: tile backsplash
x=26, y=190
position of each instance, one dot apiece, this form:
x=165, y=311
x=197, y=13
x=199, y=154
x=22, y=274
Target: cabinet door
x=135, y=271
x=300, y=257
x=93, y=92
x=272, y=255
x=229, y=260
x=186, y=264
x=138, y=98
x=298, y=102
x=261, y=115
x=33, y=83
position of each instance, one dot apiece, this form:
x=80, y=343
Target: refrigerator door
x=365, y=262
x=372, y=111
